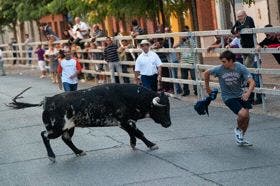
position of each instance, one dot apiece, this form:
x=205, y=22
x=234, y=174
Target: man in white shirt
x=2, y=64
x=148, y=66
x=82, y=27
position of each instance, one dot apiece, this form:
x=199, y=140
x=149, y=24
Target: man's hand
x=245, y=96
x=137, y=81
x=208, y=90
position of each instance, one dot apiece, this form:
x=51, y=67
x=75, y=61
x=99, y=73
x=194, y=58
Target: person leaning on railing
x=270, y=41
x=247, y=40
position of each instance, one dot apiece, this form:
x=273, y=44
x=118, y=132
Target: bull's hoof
x=52, y=159
x=154, y=147
x=83, y=153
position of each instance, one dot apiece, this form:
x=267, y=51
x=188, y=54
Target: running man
x=233, y=76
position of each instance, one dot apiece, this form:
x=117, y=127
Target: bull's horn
x=156, y=102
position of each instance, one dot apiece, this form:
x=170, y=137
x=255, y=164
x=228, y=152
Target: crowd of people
x=113, y=52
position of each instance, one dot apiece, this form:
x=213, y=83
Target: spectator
x=247, y=40
x=41, y=61
x=68, y=71
x=29, y=48
x=172, y=58
x=97, y=32
x=270, y=41
x=112, y=58
x=98, y=56
x=48, y=32
x=136, y=30
x=148, y=66
x=235, y=43
x=82, y=27
x=2, y=69
x=75, y=36
x=188, y=58
x=51, y=55
x=124, y=56
x=232, y=76
x=218, y=43
x=14, y=49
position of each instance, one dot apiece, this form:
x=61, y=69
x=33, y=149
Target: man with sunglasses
x=233, y=76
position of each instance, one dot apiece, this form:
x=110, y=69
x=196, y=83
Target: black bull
x=100, y=106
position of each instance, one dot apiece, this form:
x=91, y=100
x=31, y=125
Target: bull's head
x=160, y=111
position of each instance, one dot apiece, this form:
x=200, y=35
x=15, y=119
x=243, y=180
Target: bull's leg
x=66, y=137
x=139, y=134
x=135, y=132
x=46, y=141
x=131, y=135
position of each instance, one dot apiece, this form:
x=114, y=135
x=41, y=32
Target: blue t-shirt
x=231, y=81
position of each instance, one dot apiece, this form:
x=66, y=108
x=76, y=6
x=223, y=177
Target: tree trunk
x=160, y=3
x=14, y=24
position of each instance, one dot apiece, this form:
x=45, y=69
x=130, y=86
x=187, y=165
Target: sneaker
x=244, y=143
x=238, y=135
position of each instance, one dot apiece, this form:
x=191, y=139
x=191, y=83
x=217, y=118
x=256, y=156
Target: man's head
x=134, y=22
x=95, y=27
x=241, y=15
x=108, y=41
x=167, y=30
x=124, y=42
x=77, y=20
x=145, y=45
x=269, y=35
x=227, y=58
x=26, y=35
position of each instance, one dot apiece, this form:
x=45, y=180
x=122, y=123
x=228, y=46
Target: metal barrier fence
x=198, y=66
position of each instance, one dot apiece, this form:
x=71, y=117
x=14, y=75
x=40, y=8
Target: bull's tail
x=21, y=105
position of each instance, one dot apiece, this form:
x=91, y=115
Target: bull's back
x=103, y=105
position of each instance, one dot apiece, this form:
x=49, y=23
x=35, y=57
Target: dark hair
x=228, y=55
x=134, y=22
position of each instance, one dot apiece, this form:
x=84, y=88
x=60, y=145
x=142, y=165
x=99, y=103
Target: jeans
x=69, y=87
x=2, y=67
x=30, y=55
x=185, y=74
x=115, y=66
x=150, y=82
x=174, y=74
x=248, y=60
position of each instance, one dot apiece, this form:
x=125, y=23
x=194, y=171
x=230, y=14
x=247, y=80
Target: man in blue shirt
x=233, y=77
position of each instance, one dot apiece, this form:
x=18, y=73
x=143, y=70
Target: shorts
x=236, y=104
x=42, y=65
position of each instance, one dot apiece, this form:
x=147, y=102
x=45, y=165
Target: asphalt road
x=195, y=150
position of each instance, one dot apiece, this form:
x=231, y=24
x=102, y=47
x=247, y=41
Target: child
x=41, y=61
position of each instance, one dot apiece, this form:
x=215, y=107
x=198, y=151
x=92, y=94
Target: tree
x=8, y=15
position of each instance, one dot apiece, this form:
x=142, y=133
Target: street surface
x=195, y=150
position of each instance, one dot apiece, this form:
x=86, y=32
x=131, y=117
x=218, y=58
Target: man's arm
x=206, y=81
x=136, y=77
x=247, y=94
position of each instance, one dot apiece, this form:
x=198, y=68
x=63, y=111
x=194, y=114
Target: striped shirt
x=188, y=57
x=111, y=53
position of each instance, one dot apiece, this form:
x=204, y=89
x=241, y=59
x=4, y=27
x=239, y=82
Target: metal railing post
x=259, y=77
